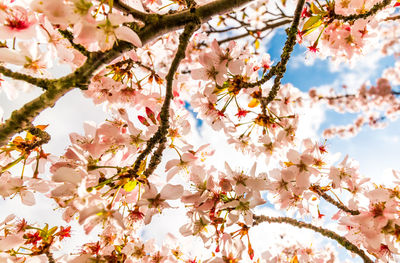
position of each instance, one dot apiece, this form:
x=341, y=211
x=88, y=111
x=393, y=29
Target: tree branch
x=161, y=133
x=70, y=37
x=377, y=7
x=265, y=28
x=392, y=18
x=157, y=26
x=280, y=68
x=287, y=50
x=50, y=256
x=43, y=83
x=325, y=232
x=317, y=189
x=121, y=6
x=22, y=118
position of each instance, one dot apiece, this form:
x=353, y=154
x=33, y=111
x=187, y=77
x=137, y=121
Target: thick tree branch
x=190, y=3
x=22, y=118
x=161, y=24
x=325, y=232
x=157, y=26
x=43, y=136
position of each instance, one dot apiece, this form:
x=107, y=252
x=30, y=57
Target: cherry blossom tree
x=152, y=64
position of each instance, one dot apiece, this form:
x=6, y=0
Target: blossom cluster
x=121, y=174
x=373, y=104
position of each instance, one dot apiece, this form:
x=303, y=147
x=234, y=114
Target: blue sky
x=377, y=150
x=362, y=147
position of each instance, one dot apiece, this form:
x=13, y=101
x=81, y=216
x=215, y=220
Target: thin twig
x=70, y=37
x=345, y=96
x=392, y=18
x=40, y=82
x=317, y=189
x=377, y=7
x=280, y=68
x=121, y=6
x=249, y=32
x=287, y=50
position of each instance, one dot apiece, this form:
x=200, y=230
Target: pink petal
x=171, y=192
x=12, y=57
x=66, y=174
x=11, y=242
x=87, y=212
x=172, y=173
x=199, y=74
x=171, y=163
x=293, y=156
x=27, y=198
x=235, y=67
x=126, y=34
x=253, y=170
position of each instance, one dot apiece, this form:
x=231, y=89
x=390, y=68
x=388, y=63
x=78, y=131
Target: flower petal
x=11, y=56
x=126, y=34
x=171, y=192
x=27, y=198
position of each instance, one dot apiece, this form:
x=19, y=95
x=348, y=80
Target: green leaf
x=129, y=186
x=313, y=28
x=52, y=231
x=311, y=22
x=315, y=9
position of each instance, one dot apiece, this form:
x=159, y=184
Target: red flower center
x=18, y=21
